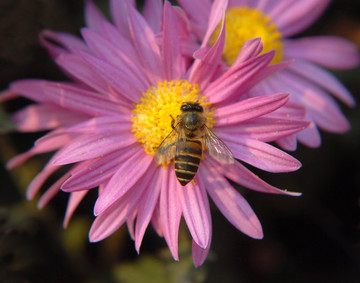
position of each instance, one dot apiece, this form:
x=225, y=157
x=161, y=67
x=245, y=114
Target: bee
x=187, y=141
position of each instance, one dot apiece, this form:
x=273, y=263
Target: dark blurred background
x=311, y=238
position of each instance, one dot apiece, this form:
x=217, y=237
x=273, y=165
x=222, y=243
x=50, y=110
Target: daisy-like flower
x=275, y=22
x=109, y=122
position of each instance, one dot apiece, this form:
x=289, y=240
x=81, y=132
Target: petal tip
x=94, y=237
x=257, y=232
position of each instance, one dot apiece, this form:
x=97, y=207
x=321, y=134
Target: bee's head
x=191, y=107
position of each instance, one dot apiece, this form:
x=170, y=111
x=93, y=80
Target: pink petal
x=188, y=44
x=45, y=117
x=198, y=14
x=127, y=175
x=326, y=114
x=120, y=16
x=153, y=14
x=80, y=71
x=102, y=124
x=310, y=136
x=93, y=146
x=113, y=218
x=8, y=95
x=250, y=49
x=145, y=45
x=108, y=50
x=238, y=81
x=299, y=15
x=53, y=50
x=20, y=159
x=173, y=63
x=30, y=88
x=261, y=155
x=81, y=100
x=74, y=201
x=54, y=140
x=51, y=192
x=198, y=11
x=320, y=107
x=231, y=204
x=263, y=129
x=156, y=220
x=117, y=77
x=195, y=211
x=199, y=254
x=271, y=70
x=130, y=223
x=248, y=109
x=116, y=215
x=289, y=111
x=170, y=212
x=147, y=205
x=217, y=13
x=203, y=69
x=266, y=6
x=243, y=176
x=127, y=50
x=328, y=51
x=288, y=143
x=323, y=79
x=98, y=171
x=39, y=180
x=233, y=3
x=48, y=170
x=258, y=84
x=65, y=40
x=47, y=143
x=93, y=16
x=201, y=52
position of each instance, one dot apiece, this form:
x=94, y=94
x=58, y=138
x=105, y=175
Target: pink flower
x=308, y=82
x=109, y=121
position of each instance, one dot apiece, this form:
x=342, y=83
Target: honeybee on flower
x=108, y=123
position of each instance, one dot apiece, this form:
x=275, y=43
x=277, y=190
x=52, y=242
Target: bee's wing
x=216, y=147
x=167, y=148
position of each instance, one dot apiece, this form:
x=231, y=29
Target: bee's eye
x=198, y=108
x=191, y=107
x=185, y=107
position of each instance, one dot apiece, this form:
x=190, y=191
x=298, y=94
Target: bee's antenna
x=172, y=122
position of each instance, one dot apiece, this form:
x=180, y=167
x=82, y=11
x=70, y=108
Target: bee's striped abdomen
x=187, y=160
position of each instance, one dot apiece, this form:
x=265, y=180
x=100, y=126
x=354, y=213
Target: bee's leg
x=172, y=122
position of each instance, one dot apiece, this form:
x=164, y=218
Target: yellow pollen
x=242, y=24
x=151, y=115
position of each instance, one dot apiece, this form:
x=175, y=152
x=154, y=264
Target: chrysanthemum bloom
x=310, y=85
x=109, y=122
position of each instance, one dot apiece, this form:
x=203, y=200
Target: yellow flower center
x=242, y=24
x=152, y=114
